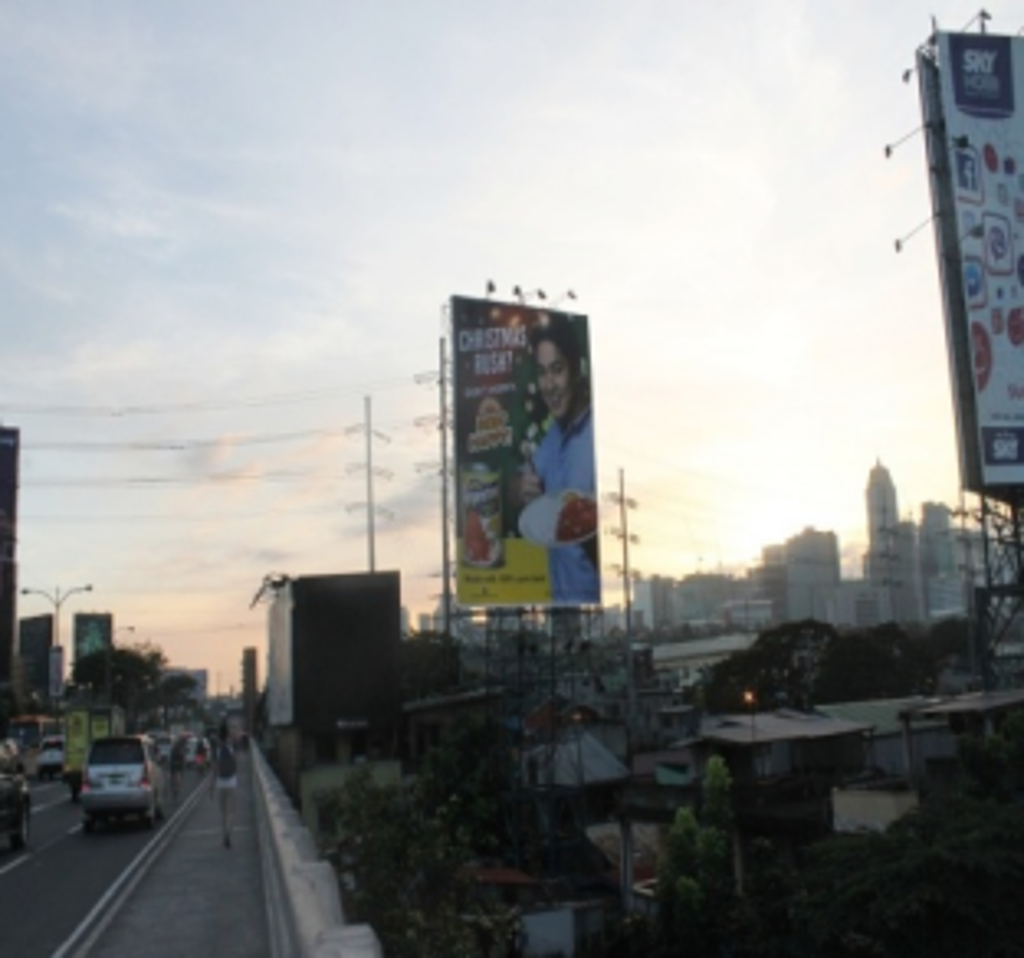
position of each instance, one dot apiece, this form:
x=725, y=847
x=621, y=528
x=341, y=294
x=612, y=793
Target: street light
x=750, y=700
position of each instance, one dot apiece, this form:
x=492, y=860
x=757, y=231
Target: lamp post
x=750, y=700
x=57, y=598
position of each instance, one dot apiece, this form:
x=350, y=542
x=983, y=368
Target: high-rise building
x=938, y=554
x=812, y=575
x=942, y=583
x=892, y=563
x=883, y=514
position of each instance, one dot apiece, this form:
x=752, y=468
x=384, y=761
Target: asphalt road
x=49, y=889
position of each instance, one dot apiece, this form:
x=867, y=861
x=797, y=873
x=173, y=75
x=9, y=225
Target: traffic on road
x=55, y=849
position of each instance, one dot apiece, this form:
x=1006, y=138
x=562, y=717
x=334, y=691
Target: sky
x=229, y=231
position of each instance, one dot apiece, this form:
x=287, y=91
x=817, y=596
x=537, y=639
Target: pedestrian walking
x=224, y=781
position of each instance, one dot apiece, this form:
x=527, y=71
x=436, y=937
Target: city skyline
x=230, y=233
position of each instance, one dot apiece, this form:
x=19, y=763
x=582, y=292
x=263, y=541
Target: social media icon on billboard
x=998, y=244
x=1004, y=448
x=974, y=282
x=969, y=186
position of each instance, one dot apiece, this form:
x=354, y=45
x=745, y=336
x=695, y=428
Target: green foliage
x=764, y=926
x=696, y=885
x=781, y=668
x=135, y=674
x=402, y=853
x=993, y=766
x=801, y=664
x=430, y=665
x=942, y=881
x=468, y=768
x=873, y=664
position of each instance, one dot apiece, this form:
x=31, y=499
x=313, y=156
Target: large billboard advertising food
x=526, y=479
x=982, y=105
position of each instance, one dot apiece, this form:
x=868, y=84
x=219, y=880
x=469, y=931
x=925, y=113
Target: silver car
x=122, y=778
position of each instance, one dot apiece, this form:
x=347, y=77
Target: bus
x=29, y=730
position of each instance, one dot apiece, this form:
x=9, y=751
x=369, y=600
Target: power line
x=209, y=405
x=177, y=445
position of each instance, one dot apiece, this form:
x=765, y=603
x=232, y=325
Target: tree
x=993, y=765
x=468, y=768
x=135, y=673
x=696, y=883
x=873, y=664
x=430, y=664
x=781, y=668
x=801, y=664
x=402, y=860
x=942, y=881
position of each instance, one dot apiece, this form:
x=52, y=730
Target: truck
x=83, y=724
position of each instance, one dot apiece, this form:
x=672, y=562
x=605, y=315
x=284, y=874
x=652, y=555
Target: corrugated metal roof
x=976, y=702
x=577, y=759
x=882, y=714
x=780, y=726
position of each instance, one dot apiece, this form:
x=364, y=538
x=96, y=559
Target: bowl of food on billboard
x=566, y=518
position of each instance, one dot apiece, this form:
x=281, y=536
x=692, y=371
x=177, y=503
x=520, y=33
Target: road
x=49, y=889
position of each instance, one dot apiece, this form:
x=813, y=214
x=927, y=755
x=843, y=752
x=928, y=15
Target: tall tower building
x=883, y=515
x=892, y=563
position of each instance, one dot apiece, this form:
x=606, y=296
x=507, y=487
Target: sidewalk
x=198, y=898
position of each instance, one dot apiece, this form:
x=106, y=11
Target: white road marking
x=14, y=864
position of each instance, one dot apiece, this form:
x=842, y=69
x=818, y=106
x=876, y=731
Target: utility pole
x=446, y=572
x=625, y=504
x=370, y=433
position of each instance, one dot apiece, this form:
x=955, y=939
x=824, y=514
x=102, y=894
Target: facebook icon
x=968, y=178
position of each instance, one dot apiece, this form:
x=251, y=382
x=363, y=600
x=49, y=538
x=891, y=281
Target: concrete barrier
x=303, y=901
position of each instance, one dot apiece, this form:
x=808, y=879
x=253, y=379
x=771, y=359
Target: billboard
x=94, y=632
x=334, y=653
x=526, y=478
x=973, y=99
x=10, y=445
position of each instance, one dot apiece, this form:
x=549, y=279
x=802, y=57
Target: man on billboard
x=562, y=463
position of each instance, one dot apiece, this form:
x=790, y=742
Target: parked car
x=50, y=763
x=15, y=798
x=122, y=779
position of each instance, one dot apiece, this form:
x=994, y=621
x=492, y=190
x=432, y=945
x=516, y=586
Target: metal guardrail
x=303, y=901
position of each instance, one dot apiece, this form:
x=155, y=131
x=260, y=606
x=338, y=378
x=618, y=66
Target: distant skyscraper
x=937, y=547
x=893, y=561
x=812, y=575
x=883, y=514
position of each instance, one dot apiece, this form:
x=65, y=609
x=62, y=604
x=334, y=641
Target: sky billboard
x=978, y=120
x=525, y=473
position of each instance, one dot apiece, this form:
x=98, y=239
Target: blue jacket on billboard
x=565, y=460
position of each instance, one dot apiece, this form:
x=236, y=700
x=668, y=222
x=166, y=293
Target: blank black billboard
x=346, y=635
